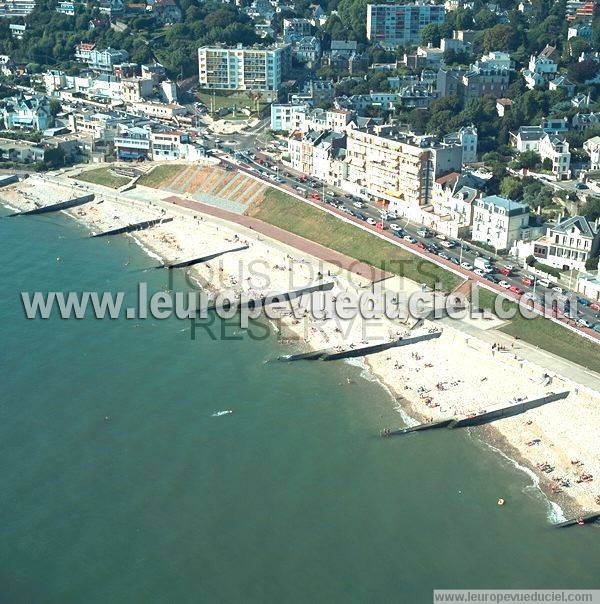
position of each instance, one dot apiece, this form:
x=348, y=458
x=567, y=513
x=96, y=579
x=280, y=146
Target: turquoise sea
x=119, y=485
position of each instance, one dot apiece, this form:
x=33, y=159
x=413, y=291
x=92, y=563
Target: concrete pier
x=330, y=354
x=585, y=519
x=193, y=261
x=57, y=207
x=279, y=298
x=140, y=226
x=509, y=410
x=482, y=418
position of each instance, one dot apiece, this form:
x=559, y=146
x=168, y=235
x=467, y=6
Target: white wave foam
x=554, y=511
x=147, y=251
x=368, y=374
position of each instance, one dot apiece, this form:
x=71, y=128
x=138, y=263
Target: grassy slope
x=297, y=217
x=161, y=175
x=548, y=335
x=102, y=176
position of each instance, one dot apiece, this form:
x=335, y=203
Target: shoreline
x=166, y=242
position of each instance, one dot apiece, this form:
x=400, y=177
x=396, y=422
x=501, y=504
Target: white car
x=504, y=284
x=371, y=220
x=447, y=243
x=558, y=290
x=543, y=282
x=479, y=272
x=392, y=215
x=584, y=323
x=358, y=204
x=466, y=265
x=395, y=227
x=409, y=238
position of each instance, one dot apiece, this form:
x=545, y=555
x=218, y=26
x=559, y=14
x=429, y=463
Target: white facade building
x=592, y=148
x=252, y=68
x=498, y=221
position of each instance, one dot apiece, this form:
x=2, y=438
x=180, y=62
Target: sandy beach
x=455, y=375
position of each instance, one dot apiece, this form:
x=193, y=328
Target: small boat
x=224, y=412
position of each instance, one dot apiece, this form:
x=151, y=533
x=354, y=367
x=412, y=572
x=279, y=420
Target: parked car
x=455, y=260
x=504, y=284
x=558, y=290
x=505, y=270
x=395, y=227
x=491, y=278
x=584, y=323
x=467, y=265
x=444, y=255
x=545, y=282
x=411, y=239
x=516, y=290
x=392, y=215
x=448, y=244
x=360, y=215
x=595, y=305
x=596, y=327
x=423, y=233
x=525, y=280
x=479, y=272
x=583, y=302
x=358, y=204
x=371, y=220
x=421, y=245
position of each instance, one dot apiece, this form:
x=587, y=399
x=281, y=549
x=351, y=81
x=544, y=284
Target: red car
x=505, y=271
x=515, y=290
x=527, y=281
x=315, y=196
x=595, y=305
x=421, y=245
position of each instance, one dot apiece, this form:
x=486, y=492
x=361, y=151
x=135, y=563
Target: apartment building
x=498, y=221
x=252, y=68
x=568, y=244
x=397, y=167
x=16, y=8
x=401, y=24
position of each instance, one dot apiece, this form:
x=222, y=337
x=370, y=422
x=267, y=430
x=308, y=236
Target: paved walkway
x=300, y=243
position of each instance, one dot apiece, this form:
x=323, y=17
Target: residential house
x=541, y=69
x=466, y=137
x=26, y=112
x=556, y=149
x=502, y=106
x=562, y=83
x=592, y=148
x=568, y=244
x=498, y=221
x=582, y=121
x=307, y=50
x=166, y=12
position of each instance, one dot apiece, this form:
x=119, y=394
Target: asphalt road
x=429, y=245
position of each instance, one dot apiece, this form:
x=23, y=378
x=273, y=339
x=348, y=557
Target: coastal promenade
x=344, y=262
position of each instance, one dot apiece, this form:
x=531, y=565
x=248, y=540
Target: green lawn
x=297, y=217
x=547, y=335
x=160, y=175
x=221, y=99
x=103, y=176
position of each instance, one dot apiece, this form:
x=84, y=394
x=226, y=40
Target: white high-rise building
x=254, y=68
x=400, y=24
x=16, y=8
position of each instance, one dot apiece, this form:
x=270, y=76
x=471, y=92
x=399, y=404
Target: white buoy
x=500, y=501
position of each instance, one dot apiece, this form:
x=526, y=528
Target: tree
x=501, y=37
x=547, y=164
x=591, y=208
x=527, y=159
x=431, y=34
x=511, y=187
x=583, y=71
